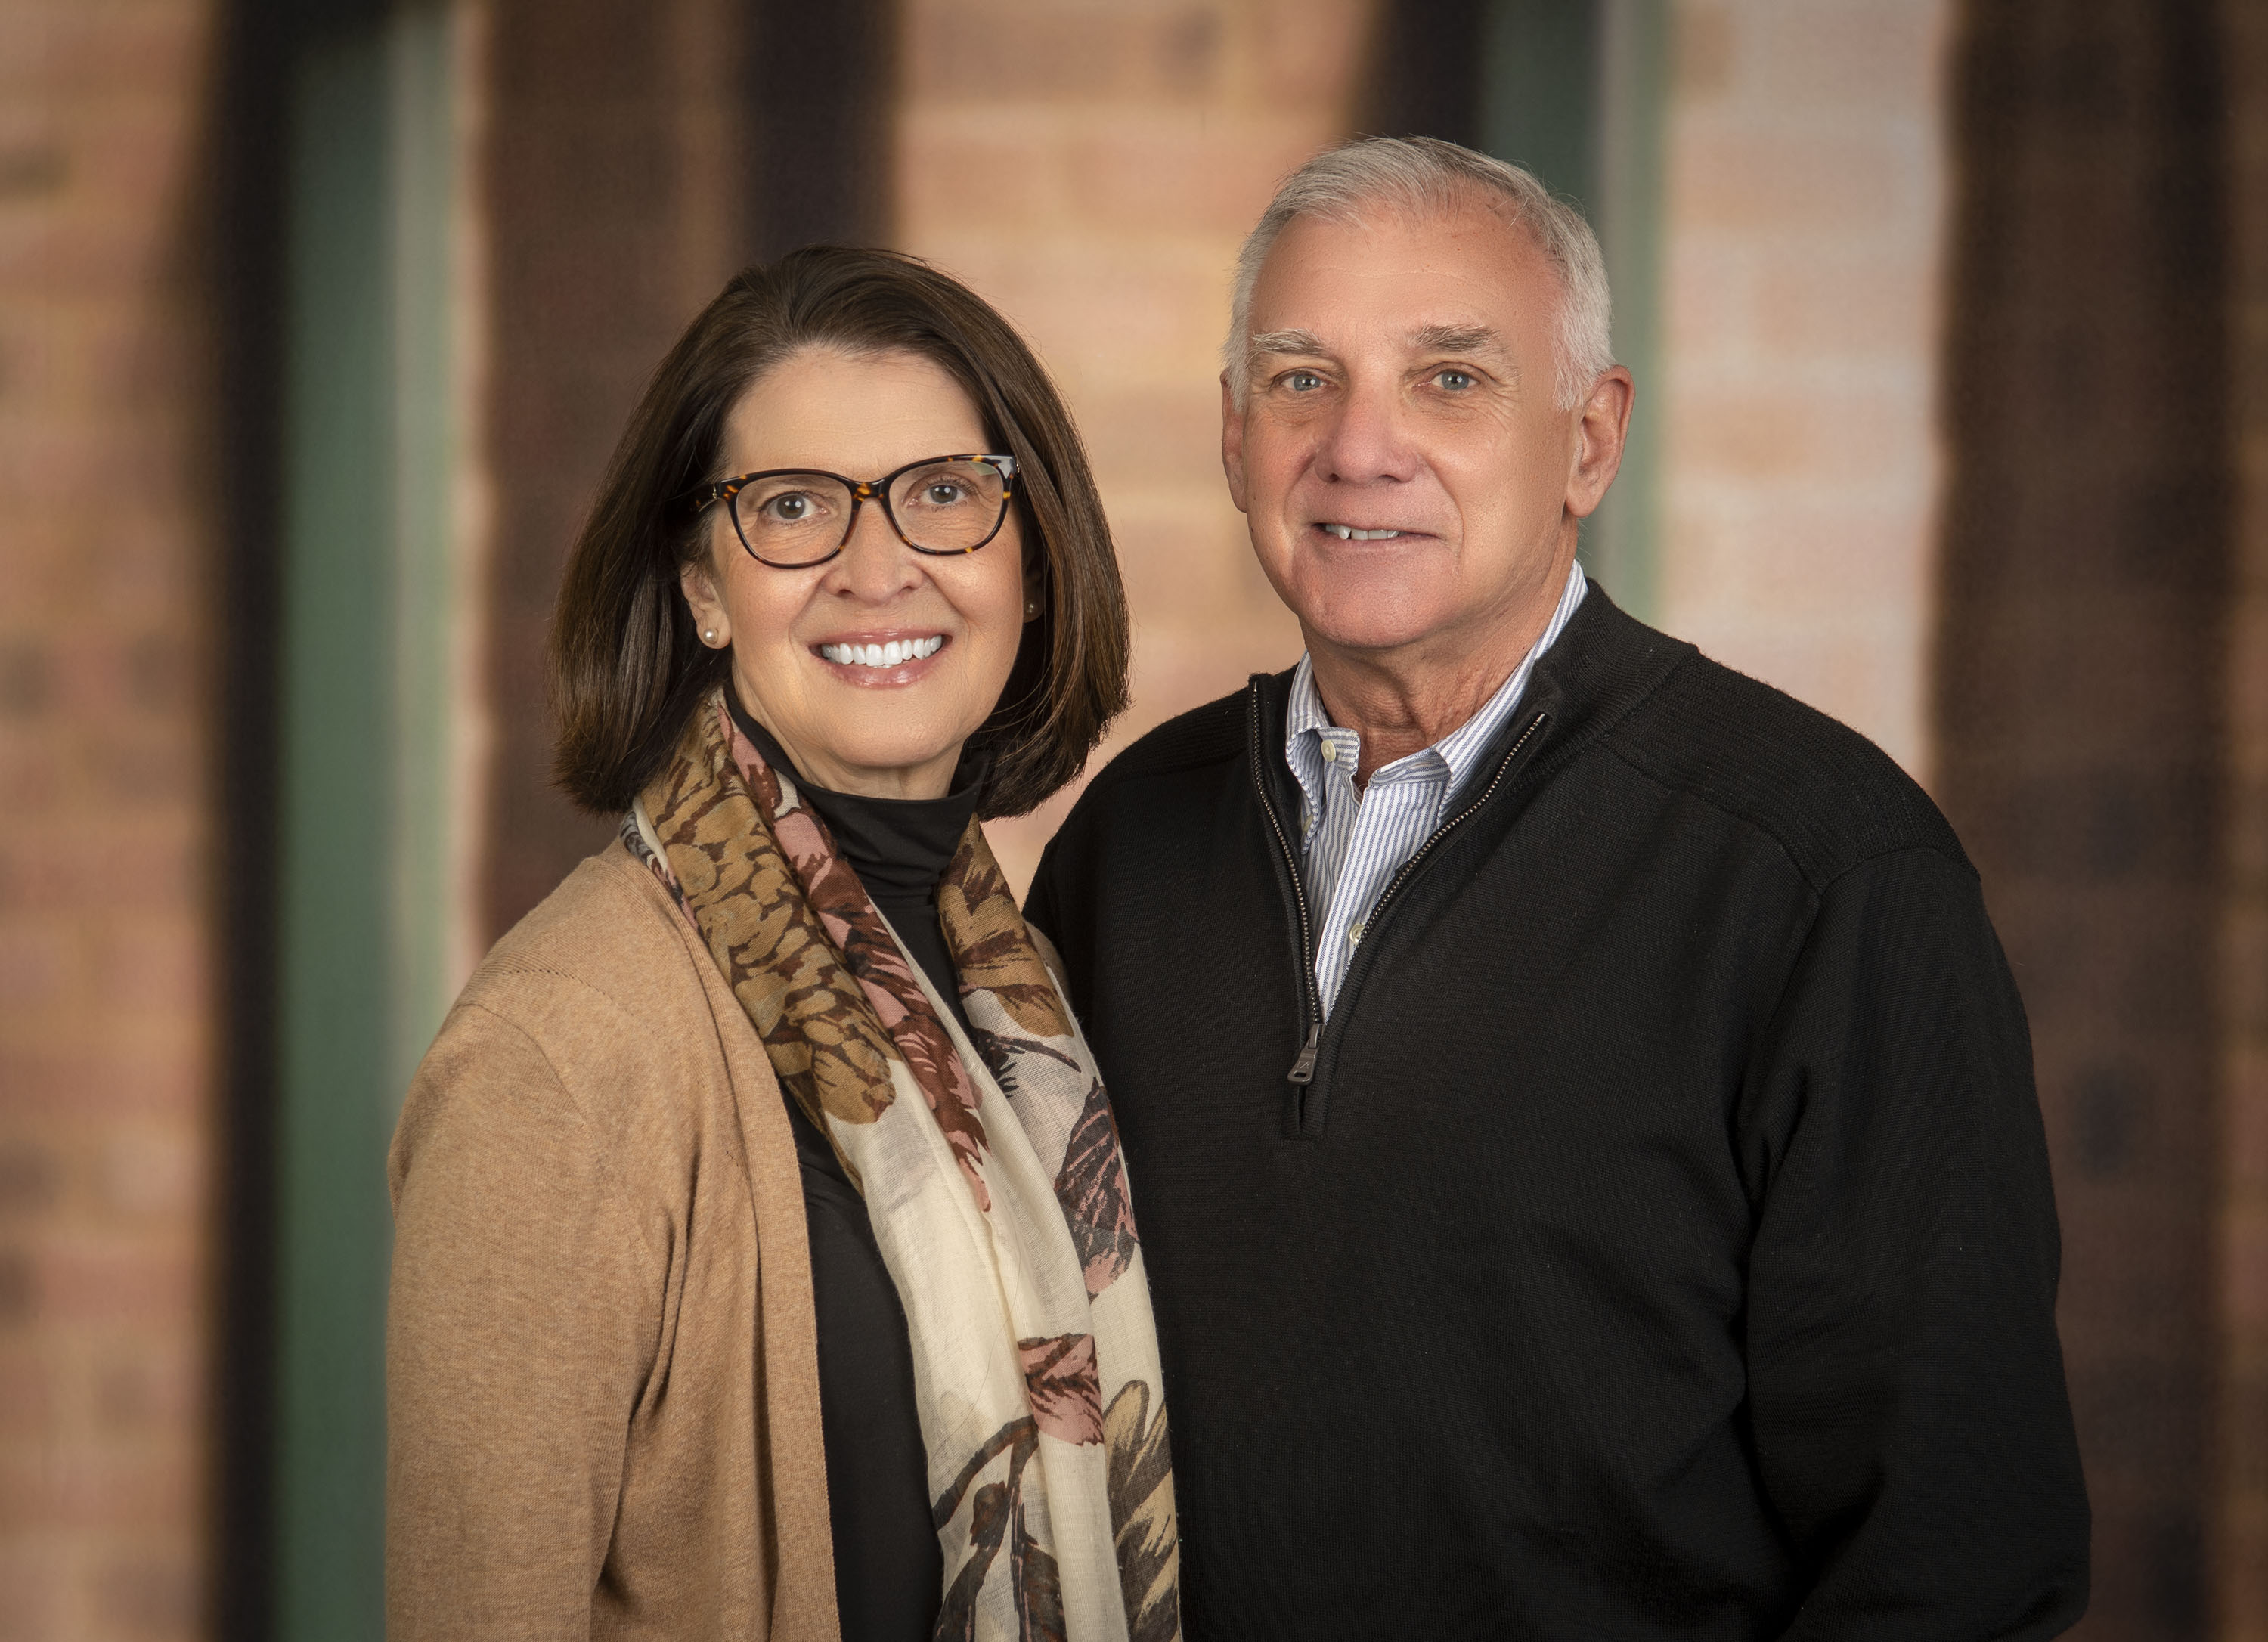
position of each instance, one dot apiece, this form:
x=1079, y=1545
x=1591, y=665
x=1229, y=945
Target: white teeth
x=896, y=653
x=1348, y=532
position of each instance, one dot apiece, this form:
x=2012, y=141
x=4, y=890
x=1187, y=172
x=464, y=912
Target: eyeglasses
x=794, y=518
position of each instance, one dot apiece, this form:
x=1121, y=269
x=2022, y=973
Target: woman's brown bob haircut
x=626, y=667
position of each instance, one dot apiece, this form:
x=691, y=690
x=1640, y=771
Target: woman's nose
x=874, y=565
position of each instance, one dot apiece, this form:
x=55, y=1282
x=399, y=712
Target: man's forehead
x=1412, y=279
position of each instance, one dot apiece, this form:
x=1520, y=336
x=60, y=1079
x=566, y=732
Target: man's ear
x=1599, y=432
x=696, y=580
x=1231, y=445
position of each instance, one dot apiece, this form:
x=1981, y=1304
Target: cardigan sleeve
x=1912, y=1426
x=520, y=1330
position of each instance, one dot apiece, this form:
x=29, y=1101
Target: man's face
x=1404, y=381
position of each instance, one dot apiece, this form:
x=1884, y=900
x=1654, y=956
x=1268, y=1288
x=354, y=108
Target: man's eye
x=1456, y=381
x=1303, y=381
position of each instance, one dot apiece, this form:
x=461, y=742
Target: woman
x=733, y=1296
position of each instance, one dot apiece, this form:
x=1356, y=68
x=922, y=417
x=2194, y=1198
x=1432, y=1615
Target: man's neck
x=1402, y=700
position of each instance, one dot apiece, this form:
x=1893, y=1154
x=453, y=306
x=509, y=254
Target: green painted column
x=1633, y=79
x=366, y=458
x=1574, y=91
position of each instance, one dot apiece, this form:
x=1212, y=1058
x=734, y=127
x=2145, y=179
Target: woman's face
x=893, y=731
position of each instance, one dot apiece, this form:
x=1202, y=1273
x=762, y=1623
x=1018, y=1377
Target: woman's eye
x=944, y=493
x=790, y=509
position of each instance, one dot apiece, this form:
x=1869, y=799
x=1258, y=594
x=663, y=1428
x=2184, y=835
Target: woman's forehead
x=855, y=414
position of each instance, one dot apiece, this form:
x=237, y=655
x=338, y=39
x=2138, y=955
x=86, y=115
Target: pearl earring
x=708, y=635
x=1031, y=609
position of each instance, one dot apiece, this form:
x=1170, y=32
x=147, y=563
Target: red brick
x=151, y=1595
x=95, y=1084
x=1172, y=172
x=1000, y=51
x=1829, y=182
x=79, y=1280
x=33, y=1579
x=144, y=1388
x=1303, y=51
x=1853, y=56
x=151, y=1171
x=26, y=1390
x=1846, y=303
x=38, y=963
x=79, y=1486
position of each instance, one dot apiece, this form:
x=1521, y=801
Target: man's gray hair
x=1426, y=177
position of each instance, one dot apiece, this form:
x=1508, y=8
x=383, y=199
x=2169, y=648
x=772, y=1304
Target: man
x=1580, y=1119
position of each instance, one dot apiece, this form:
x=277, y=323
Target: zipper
x=1303, y=1069
x=1425, y=848
x=1303, y=1065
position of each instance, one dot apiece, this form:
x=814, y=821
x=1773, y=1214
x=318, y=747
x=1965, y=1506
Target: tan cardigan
x=602, y=1378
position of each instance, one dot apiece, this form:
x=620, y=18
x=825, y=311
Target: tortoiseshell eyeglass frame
x=863, y=490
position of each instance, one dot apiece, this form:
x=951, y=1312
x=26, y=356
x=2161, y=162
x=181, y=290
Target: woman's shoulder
x=609, y=928
x=601, y=981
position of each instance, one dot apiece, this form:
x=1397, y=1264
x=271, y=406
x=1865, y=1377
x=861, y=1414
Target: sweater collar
x=1603, y=663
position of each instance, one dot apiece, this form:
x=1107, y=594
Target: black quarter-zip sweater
x=1660, y=1242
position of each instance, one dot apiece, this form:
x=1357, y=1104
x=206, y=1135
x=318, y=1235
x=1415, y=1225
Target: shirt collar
x=1305, y=719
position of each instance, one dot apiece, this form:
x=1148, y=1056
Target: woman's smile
x=888, y=658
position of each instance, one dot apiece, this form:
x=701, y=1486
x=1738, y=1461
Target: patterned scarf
x=992, y=1170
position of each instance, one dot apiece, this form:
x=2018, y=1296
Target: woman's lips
x=904, y=658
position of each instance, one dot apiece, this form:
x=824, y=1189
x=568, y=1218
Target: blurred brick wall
x=105, y=981
x=1801, y=249
x=1090, y=170
x=2243, y=1468
x=2082, y=693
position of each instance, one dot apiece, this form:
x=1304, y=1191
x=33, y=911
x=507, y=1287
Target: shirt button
x=1354, y=936
x=1331, y=753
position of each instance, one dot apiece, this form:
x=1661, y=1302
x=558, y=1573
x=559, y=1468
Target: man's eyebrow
x=1291, y=342
x=1465, y=339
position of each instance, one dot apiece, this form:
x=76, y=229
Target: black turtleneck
x=888, y=1571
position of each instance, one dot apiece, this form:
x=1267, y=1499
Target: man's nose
x=875, y=565
x=1369, y=438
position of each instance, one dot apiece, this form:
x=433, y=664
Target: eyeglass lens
x=795, y=518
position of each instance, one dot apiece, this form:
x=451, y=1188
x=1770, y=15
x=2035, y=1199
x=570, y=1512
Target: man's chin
x=1371, y=632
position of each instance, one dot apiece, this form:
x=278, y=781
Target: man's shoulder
x=1828, y=796
x=1210, y=737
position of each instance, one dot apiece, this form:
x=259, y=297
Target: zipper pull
x=1303, y=1070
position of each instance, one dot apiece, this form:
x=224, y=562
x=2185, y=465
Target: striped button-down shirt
x=1355, y=840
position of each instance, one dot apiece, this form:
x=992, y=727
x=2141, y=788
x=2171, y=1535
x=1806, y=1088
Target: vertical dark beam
x=636, y=158
x=2078, y=703
x=245, y=264
x=1425, y=74
x=585, y=196
x=820, y=88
